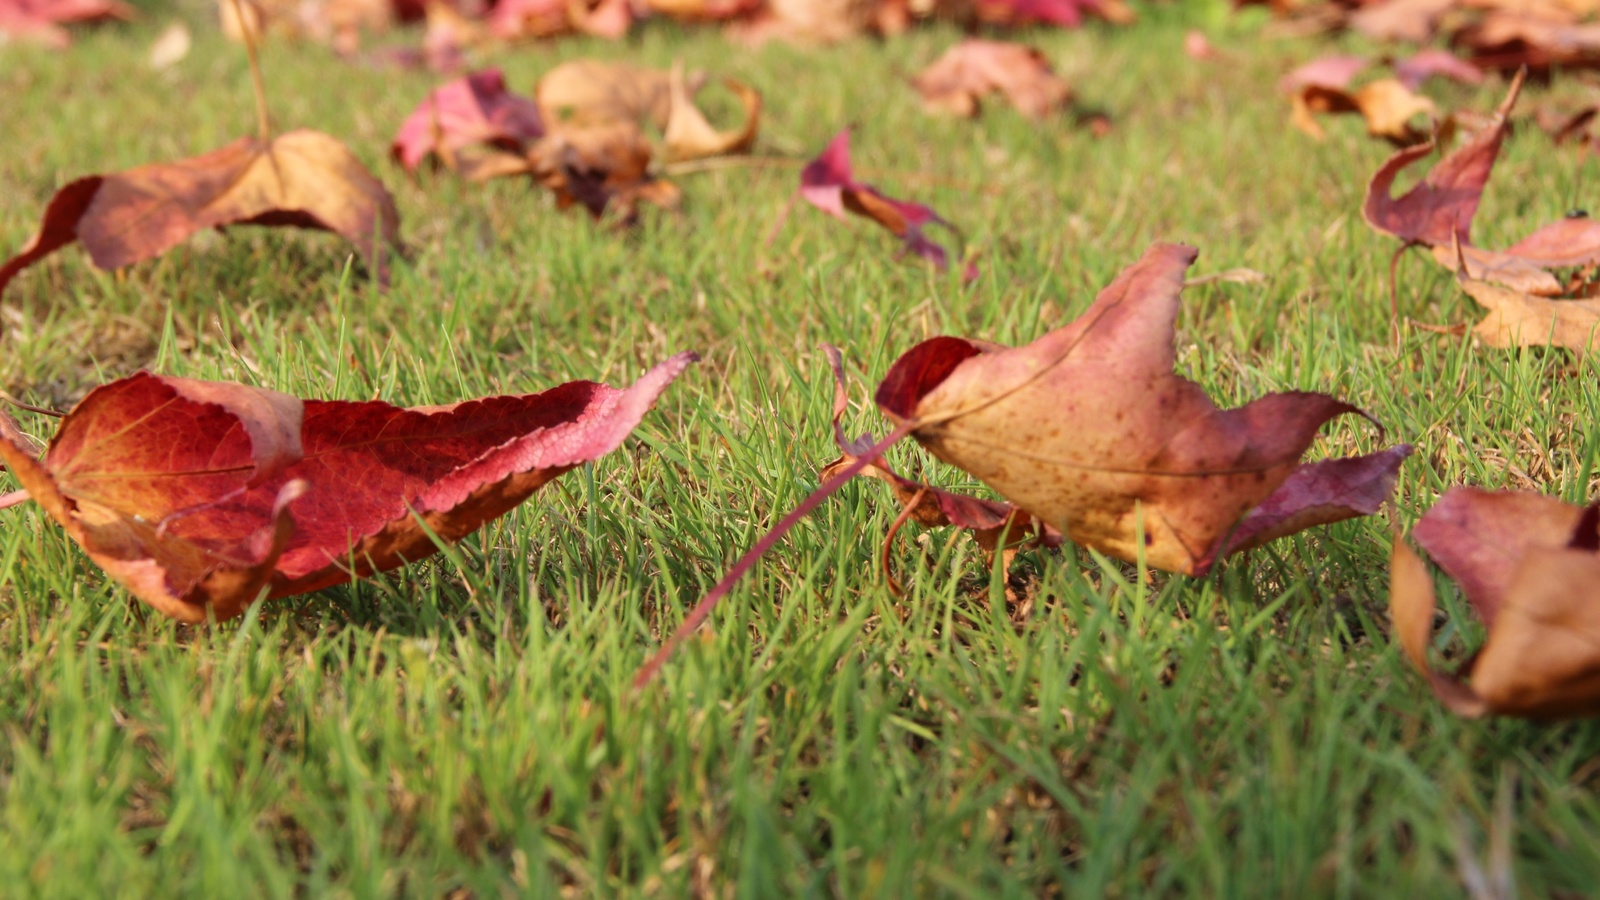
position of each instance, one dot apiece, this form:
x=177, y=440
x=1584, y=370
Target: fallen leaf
x=1062, y=13
x=1327, y=72
x=587, y=92
x=40, y=21
x=1414, y=70
x=809, y=22
x=512, y=19
x=1387, y=106
x=957, y=80
x=1527, y=565
x=828, y=183
x=1517, y=319
x=601, y=168
x=470, y=111
x=302, y=178
x=1088, y=429
x=1411, y=21
x=690, y=136
x=203, y=497
x=1437, y=213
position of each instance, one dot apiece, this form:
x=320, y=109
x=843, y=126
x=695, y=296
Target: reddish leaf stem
x=747, y=562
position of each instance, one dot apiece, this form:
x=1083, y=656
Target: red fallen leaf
x=467, y=112
x=39, y=20
x=1425, y=64
x=957, y=80
x=202, y=497
x=1528, y=566
x=303, y=178
x=1089, y=429
x=828, y=184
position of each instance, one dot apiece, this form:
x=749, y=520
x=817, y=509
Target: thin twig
x=43, y=411
x=747, y=562
x=888, y=541
x=247, y=34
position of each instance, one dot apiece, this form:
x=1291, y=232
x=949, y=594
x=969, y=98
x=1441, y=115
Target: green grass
x=464, y=726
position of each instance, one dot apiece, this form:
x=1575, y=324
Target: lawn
x=465, y=727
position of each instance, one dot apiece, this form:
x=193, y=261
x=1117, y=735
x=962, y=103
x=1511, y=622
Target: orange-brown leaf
x=302, y=178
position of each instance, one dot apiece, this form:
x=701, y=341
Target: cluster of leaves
x=202, y=498
x=455, y=28
x=1501, y=35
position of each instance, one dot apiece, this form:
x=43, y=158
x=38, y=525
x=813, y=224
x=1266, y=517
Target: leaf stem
x=247, y=33
x=748, y=561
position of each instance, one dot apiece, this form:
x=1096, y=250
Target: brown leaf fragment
x=957, y=80
x=1528, y=567
x=601, y=168
x=303, y=178
x=1518, y=319
x=1089, y=429
x=587, y=92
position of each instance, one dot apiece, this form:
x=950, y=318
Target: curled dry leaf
x=203, y=497
x=1437, y=213
x=1089, y=430
x=303, y=178
x=1388, y=107
x=828, y=183
x=1528, y=566
x=956, y=81
x=688, y=133
x=473, y=111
